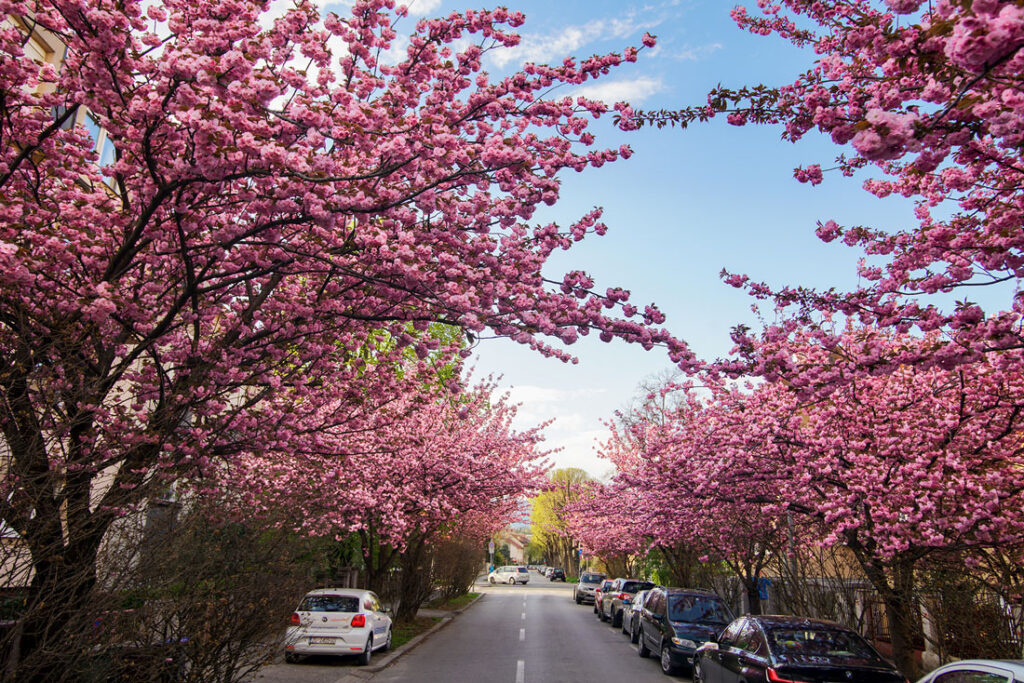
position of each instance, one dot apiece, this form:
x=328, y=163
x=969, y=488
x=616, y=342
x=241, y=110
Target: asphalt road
x=514, y=634
x=525, y=634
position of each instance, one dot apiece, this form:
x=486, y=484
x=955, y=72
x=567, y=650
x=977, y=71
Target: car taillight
x=359, y=620
x=774, y=676
x=295, y=619
x=623, y=596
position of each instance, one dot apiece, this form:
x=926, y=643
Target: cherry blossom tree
x=898, y=467
x=284, y=188
x=675, y=460
x=927, y=97
x=903, y=465
x=401, y=478
x=604, y=522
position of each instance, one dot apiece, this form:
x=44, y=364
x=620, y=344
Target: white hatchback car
x=338, y=621
x=509, y=574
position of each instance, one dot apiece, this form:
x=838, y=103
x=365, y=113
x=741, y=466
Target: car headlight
x=685, y=642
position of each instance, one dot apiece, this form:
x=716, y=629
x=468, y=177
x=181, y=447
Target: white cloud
x=633, y=90
x=696, y=54
x=556, y=46
x=419, y=8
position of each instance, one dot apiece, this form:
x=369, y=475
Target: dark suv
x=613, y=600
x=674, y=622
x=557, y=575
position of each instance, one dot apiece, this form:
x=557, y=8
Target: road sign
x=490, y=547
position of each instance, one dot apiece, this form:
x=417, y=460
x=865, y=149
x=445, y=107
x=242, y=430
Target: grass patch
x=403, y=633
x=458, y=602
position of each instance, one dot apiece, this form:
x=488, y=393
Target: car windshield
x=804, y=645
x=587, y=577
x=698, y=609
x=636, y=586
x=329, y=603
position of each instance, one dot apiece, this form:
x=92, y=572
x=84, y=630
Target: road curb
x=367, y=672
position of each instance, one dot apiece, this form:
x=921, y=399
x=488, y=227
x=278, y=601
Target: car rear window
x=329, y=603
x=636, y=586
x=698, y=609
x=802, y=645
x=522, y=570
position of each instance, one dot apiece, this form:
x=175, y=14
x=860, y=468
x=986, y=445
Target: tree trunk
x=59, y=615
x=416, y=583
x=750, y=583
x=901, y=609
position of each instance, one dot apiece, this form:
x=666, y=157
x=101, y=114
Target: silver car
x=584, y=590
x=631, y=616
x=978, y=670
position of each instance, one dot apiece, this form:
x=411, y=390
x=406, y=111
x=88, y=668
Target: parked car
x=557, y=575
x=613, y=601
x=631, y=615
x=674, y=622
x=978, y=671
x=509, y=574
x=778, y=648
x=338, y=621
x=601, y=588
x=584, y=590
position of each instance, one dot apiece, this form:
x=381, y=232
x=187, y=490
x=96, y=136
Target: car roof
x=770, y=621
x=1016, y=666
x=687, y=591
x=352, y=592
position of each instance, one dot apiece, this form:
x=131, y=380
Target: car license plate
x=321, y=641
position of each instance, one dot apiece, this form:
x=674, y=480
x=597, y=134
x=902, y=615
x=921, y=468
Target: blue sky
x=685, y=206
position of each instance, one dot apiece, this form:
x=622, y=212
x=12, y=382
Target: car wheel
x=601, y=615
x=641, y=647
x=367, y=655
x=667, y=667
x=617, y=619
x=579, y=600
x=291, y=658
x=387, y=643
x=698, y=672
x=595, y=607
x=623, y=625
x=511, y=580
x=634, y=632
x=491, y=579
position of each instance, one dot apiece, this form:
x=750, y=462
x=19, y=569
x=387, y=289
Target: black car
x=557, y=575
x=674, y=622
x=756, y=649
